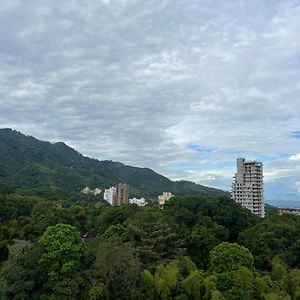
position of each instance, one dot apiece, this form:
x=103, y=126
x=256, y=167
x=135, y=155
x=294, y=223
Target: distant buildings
x=97, y=191
x=247, y=187
x=122, y=194
x=117, y=195
x=289, y=211
x=109, y=195
x=164, y=197
x=139, y=202
x=88, y=191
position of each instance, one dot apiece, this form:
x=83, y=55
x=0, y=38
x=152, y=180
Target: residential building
x=289, y=211
x=247, y=187
x=139, y=202
x=164, y=197
x=122, y=194
x=109, y=195
x=88, y=191
x=97, y=191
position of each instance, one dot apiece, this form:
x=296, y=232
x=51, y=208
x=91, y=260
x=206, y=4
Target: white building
x=247, y=187
x=88, y=191
x=139, y=202
x=97, y=191
x=164, y=197
x=109, y=195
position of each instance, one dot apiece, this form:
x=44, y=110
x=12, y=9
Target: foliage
x=116, y=269
x=229, y=257
x=273, y=236
x=188, y=250
x=3, y=288
x=5, y=189
x=63, y=250
x=58, y=171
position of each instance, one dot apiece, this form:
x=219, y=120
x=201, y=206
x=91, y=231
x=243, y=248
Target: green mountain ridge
x=56, y=169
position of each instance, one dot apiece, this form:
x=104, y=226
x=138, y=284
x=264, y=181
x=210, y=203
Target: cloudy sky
x=181, y=86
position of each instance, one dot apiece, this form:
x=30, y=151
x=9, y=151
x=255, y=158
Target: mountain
x=45, y=168
x=284, y=203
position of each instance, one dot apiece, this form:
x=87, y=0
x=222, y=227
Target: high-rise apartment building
x=122, y=194
x=247, y=187
x=109, y=195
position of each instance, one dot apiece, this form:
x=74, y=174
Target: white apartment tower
x=109, y=195
x=248, y=187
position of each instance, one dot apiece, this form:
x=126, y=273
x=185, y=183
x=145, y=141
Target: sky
x=180, y=86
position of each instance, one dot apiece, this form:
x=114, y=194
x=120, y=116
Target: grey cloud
x=138, y=81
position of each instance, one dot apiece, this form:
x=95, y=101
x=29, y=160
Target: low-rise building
x=289, y=211
x=97, y=191
x=164, y=197
x=88, y=191
x=139, y=202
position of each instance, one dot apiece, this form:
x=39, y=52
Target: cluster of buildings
x=117, y=195
x=138, y=201
x=120, y=195
x=247, y=190
x=248, y=186
x=289, y=211
x=163, y=198
x=88, y=191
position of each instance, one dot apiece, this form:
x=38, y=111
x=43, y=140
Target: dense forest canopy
x=197, y=247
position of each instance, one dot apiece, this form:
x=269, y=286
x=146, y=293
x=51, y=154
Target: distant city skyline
x=182, y=87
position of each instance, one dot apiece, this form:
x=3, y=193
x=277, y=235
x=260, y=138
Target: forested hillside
x=47, y=169
x=195, y=248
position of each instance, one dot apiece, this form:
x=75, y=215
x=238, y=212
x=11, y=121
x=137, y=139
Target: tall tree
x=63, y=252
x=117, y=267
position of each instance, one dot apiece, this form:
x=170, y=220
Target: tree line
x=197, y=247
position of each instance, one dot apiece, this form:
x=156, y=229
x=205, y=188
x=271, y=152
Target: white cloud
x=295, y=157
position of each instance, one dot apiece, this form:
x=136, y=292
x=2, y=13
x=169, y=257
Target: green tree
x=294, y=283
x=3, y=250
x=242, y=285
x=273, y=236
x=210, y=286
x=147, y=285
x=193, y=284
x=166, y=279
x=204, y=236
x=229, y=257
x=233, y=266
x=98, y=292
x=5, y=189
x=3, y=289
x=23, y=275
x=117, y=267
x=63, y=252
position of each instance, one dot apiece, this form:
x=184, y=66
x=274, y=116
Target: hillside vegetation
x=55, y=169
x=197, y=247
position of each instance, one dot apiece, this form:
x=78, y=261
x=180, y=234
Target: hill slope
x=46, y=168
